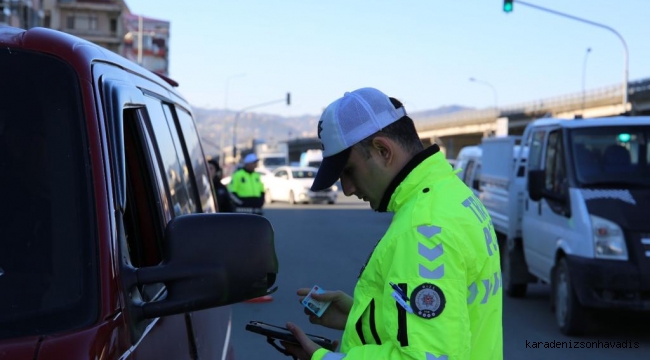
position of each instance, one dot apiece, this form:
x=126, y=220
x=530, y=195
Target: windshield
x=274, y=161
x=47, y=261
x=304, y=174
x=612, y=156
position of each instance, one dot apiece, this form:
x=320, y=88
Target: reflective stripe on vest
x=333, y=356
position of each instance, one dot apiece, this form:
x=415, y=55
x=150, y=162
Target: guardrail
x=459, y=118
x=610, y=95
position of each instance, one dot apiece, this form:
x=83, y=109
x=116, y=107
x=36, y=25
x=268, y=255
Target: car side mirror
x=210, y=260
x=536, y=184
x=551, y=195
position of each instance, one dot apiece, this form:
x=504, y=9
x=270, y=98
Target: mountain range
x=215, y=126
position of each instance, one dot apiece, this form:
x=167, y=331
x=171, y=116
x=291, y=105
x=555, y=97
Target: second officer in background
x=246, y=187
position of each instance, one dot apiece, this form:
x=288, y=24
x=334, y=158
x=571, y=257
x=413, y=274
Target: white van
x=577, y=216
x=468, y=163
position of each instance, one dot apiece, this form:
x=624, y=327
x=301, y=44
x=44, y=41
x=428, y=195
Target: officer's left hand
x=307, y=348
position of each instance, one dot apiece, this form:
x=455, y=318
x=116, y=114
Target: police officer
x=246, y=187
x=431, y=288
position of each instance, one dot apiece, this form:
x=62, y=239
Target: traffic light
x=507, y=5
x=288, y=98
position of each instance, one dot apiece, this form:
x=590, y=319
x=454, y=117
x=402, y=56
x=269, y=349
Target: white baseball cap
x=347, y=121
x=250, y=158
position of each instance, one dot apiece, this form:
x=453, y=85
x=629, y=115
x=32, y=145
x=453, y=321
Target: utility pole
x=234, y=126
x=139, y=39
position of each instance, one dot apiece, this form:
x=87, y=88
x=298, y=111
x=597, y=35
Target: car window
x=197, y=171
x=174, y=167
x=556, y=180
x=611, y=154
x=535, y=153
x=143, y=220
x=48, y=257
x=476, y=177
x=467, y=174
x=274, y=161
x=280, y=173
x=303, y=174
x=147, y=208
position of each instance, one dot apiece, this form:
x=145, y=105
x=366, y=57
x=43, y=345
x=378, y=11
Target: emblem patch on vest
x=427, y=301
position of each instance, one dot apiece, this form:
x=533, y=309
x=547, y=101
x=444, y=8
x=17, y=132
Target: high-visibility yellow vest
x=441, y=252
x=245, y=184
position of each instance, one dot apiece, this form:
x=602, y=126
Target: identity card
x=315, y=306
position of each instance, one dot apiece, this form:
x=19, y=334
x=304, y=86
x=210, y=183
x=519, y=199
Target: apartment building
x=98, y=21
x=107, y=23
x=24, y=14
x=146, y=42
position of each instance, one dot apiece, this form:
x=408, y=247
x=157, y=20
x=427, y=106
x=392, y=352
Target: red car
x=111, y=246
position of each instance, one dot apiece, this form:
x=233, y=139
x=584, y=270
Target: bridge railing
x=610, y=95
x=459, y=118
x=605, y=96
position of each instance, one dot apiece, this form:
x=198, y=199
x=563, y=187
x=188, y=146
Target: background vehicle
x=271, y=155
x=311, y=158
x=110, y=245
x=577, y=217
x=469, y=164
x=292, y=184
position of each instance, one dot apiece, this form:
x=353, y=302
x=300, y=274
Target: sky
x=238, y=54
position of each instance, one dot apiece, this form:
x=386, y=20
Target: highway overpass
x=455, y=130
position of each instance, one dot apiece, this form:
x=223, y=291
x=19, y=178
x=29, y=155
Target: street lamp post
x=140, y=34
x=494, y=90
x=225, y=107
x=234, y=125
x=625, y=51
x=584, y=71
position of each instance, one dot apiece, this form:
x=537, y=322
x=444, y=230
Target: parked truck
x=571, y=208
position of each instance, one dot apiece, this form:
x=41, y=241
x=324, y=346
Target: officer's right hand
x=336, y=314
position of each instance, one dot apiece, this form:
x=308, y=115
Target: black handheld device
x=283, y=334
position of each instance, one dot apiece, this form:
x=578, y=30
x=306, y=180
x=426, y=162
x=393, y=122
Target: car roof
x=296, y=168
x=81, y=54
x=593, y=122
x=470, y=151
